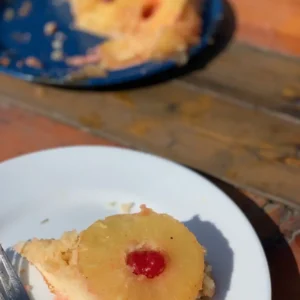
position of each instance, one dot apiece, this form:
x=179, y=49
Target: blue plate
x=23, y=36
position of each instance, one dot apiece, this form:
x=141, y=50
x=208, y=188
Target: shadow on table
x=282, y=263
x=215, y=243
x=224, y=34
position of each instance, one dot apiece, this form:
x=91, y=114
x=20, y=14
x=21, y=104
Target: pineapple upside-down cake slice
x=124, y=257
x=138, y=31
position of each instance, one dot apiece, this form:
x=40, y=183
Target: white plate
x=72, y=187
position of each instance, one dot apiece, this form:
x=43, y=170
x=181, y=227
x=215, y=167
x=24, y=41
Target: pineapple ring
x=103, y=249
x=149, y=44
x=114, y=18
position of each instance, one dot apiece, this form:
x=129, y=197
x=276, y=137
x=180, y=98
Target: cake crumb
x=209, y=286
x=45, y=221
x=88, y=71
x=33, y=62
x=57, y=55
x=4, y=61
x=25, y=9
x=145, y=211
x=9, y=14
x=60, y=36
x=127, y=207
x=50, y=28
x=57, y=44
x=82, y=60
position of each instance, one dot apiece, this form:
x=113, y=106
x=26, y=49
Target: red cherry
x=147, y=263
x=148, y=11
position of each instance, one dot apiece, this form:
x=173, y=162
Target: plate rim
x=160, y=159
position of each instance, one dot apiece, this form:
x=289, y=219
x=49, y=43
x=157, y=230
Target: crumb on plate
x=9, y=14
x=33, y=62
x=50, y=28
x=57, y=55
x=45, y=221
x=60, y=36
x=25, y=9
x=209, y=286
x=57, y=44
x=127, y=207
x=81, y=60
x=4, y=61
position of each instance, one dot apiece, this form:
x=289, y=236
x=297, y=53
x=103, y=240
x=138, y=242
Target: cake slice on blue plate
x=139, y=30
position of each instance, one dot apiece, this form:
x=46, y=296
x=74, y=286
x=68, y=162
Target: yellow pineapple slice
x=107, y=250
x=139, y=30
x=124, y=257
x=169, y=42
x=110, y=18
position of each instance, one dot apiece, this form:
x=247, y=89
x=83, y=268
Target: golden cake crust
x=140, y=30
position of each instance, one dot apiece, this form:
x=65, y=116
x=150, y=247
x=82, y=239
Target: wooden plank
x=240, y=145
x=249, y=76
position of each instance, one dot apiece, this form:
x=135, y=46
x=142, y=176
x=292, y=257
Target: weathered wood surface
x=236, y=121
x=251, y=77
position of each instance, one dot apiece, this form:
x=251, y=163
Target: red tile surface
x=23, y=132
